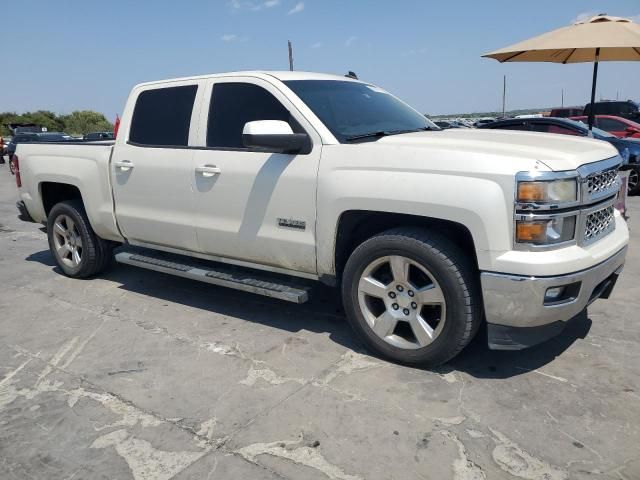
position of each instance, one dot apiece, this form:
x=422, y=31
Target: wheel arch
x=52, y=193
x=356, y=226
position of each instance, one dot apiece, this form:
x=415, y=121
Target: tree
x=85, y=121
x=80, y=122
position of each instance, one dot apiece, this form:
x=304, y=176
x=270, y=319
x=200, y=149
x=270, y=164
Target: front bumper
x=520, y=313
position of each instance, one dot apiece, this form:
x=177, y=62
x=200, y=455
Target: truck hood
x=557, y=152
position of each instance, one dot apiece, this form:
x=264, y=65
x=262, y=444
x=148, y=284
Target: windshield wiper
x=383, y=133
x=367, y=135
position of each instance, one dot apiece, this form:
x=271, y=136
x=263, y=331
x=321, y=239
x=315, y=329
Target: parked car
x=427, y=232
x=465, y=122
x=628, y=148
x=618, y=126
x=564, y=112
x=30, y=137
x=459, y=123
x=483, y=121
x=444, y=124
x=624, y=108
x=93, y=136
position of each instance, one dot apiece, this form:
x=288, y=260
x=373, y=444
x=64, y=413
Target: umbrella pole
x=593, y=90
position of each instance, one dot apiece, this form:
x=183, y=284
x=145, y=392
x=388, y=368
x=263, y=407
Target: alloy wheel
x=67, y=241
x=402, y=302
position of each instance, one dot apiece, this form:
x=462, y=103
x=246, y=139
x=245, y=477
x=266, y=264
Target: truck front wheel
x=412, y=296
x=78, y=251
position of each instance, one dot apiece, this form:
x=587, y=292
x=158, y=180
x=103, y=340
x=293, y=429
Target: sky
x=84, y=54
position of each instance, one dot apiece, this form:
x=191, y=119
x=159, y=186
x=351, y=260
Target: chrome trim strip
x=518, y=301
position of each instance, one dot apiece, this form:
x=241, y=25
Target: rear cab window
x=162, y=117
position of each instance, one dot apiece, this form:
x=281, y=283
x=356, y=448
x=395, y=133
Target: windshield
x=353, y=109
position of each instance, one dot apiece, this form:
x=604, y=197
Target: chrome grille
x=601, y=183
x=598, y=224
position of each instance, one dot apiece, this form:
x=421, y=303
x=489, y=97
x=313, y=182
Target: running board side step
x=208, y=272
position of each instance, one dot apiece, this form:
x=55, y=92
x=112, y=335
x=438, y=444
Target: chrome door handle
x=208, y=170
x=124, y=165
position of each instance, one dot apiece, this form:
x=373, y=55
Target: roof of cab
x=280, y=75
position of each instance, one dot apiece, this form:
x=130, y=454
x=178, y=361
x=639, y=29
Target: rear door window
x=233, y=105
x=162, y=116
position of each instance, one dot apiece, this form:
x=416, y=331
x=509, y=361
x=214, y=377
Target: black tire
x=450, y=267
x=634, y=173
x=96, y=253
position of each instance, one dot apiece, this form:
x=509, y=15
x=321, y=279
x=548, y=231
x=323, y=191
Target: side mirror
x=274, y=135
x=632, y=130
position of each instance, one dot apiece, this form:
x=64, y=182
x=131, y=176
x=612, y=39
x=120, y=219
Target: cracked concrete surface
x=134, y=374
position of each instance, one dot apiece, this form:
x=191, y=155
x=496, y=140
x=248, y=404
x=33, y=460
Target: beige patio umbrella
x=599, y=39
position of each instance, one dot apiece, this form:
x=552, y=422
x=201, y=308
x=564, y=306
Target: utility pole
x=290, y=56
x=562, y=104
x=504, y=95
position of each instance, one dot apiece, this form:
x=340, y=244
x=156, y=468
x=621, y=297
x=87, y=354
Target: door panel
x=261, y=206
x=238, y=210
x=151, y=168
x=154, y=202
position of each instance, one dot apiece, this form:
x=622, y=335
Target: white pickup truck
x=247, y=180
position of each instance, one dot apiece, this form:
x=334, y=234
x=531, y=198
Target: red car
x=618, y=126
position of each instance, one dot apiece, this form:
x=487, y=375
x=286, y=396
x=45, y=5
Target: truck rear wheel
x=412, y=296
x=78, y=251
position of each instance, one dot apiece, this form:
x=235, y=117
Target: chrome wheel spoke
x=70, y=224
x=59, y=229
x=371, y=286
x=75, y=256
x=422, y=330
x=431, y=295
x=399, y=268
x=63, y=250
x=384, y=324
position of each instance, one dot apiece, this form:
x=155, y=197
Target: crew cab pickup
x=249, y=180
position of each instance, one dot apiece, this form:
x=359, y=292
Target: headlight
x=552, y=191
x=545, y=231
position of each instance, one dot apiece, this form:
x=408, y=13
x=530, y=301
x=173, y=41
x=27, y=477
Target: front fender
x=479, y=204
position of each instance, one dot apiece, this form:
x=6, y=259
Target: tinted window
x=628, y=108
x=553, y=128
x=163, y=116
x=611, y=125
x=353, y=108
x=233, y=105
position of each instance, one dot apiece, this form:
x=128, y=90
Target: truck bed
x=83, y=165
